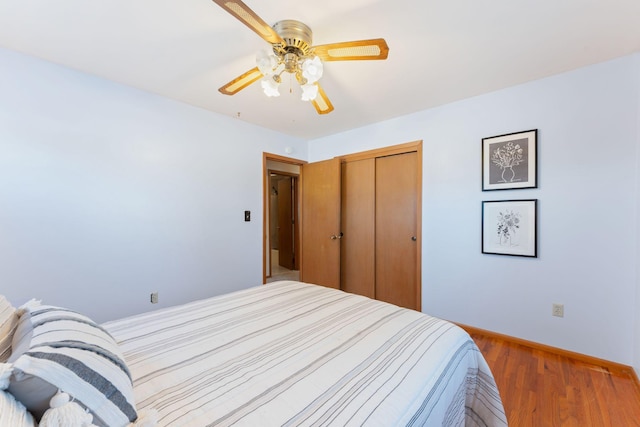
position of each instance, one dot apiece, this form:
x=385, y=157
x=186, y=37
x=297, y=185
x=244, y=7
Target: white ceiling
x=440, y=50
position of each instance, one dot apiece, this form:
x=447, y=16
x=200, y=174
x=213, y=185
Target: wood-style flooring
x=540, y=388
x=278, y=272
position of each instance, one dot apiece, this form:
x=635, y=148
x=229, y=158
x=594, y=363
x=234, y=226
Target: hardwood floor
x=542, y=388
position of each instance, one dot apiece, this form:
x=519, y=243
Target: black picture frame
x=510, y=227
x=510, y=161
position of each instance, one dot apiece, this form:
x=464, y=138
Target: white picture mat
x=520, y=240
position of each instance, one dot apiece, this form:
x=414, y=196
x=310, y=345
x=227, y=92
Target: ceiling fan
x=294, y=53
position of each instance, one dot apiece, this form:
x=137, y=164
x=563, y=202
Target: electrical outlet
x=557, y=310
x=154, y=298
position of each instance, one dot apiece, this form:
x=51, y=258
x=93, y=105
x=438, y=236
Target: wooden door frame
x=265, y=205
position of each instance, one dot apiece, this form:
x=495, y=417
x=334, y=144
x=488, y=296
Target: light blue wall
x=637, y=307
x=109, y=193
x=588, y=196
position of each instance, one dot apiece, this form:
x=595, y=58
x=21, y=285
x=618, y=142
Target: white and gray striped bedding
x=289, y=353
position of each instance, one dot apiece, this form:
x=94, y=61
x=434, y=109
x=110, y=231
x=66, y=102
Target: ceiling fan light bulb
x=266, y=63
x=270, y=87
x=309, y=92
x=312, y=69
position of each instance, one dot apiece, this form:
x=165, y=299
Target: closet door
x=397, y=240
x=357, y=266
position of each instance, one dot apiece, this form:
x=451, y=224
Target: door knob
x=414, y=238
x=334, y=237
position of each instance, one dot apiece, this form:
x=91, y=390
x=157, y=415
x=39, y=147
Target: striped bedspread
x=289, y=354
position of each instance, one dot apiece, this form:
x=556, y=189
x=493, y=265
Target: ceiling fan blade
x=239, y=83
x=322, y=103
x=355, y=50
x=249, y=18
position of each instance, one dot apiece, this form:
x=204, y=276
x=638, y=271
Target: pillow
x=59, y=349
x=13, y=413
x=8, y=323
x=65, y=412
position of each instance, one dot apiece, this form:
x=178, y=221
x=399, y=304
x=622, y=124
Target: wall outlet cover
x=557, y=310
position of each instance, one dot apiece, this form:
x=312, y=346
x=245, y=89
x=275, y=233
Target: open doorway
x=283, y=221
x=281, y=245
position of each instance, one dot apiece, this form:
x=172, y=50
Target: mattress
x=295, y=354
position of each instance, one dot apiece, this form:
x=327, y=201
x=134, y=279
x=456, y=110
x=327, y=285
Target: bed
x=291, y=354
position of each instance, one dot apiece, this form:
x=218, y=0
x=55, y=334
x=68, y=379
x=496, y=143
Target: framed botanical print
x=510, y=161
x=509, y=227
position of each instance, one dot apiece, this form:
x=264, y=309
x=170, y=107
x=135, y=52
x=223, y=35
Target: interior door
x=285, y=223
x=320, y=258
x=397, y=237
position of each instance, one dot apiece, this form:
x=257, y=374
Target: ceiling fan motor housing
x=297, y=36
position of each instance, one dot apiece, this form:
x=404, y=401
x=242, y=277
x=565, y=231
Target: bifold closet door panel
x=357, y=253
x=396, y=237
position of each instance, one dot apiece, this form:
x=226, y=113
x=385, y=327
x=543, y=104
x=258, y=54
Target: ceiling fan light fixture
x=270, y=86
x=294, y=57
x=266, y=63
x=309, y=92
x=307, y=70
x=312, y=69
